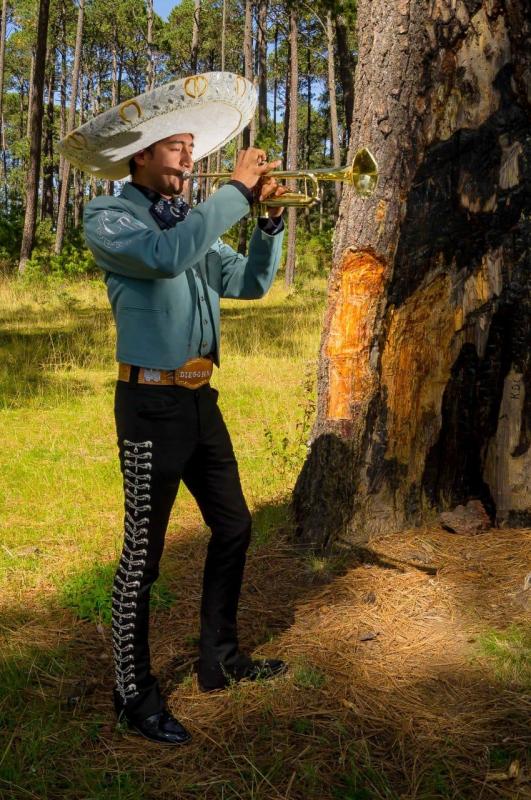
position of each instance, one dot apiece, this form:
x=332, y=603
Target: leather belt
x=195, y=373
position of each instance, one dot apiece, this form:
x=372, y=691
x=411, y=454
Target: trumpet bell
x=364, y=172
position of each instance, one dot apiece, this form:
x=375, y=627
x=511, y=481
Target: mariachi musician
x=166, y=268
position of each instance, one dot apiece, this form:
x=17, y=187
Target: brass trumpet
x=362, y=175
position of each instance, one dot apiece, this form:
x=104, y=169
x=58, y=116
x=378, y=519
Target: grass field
x=401, y=686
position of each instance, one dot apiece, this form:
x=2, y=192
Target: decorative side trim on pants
x=130, y=572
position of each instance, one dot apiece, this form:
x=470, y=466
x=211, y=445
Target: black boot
x=161, y=727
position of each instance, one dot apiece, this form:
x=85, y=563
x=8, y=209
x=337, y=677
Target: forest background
x=63, y=62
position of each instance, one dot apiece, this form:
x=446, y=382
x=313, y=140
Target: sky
x=163, y=7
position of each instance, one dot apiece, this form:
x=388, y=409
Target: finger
x=267, y=191
x=268, y=166
x=257, y=155
x=268, y=181
x=241, y=156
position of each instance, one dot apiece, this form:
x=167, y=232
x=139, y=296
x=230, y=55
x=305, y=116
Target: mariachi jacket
x=151, y=288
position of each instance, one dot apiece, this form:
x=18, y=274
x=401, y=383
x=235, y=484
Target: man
x=165, y=269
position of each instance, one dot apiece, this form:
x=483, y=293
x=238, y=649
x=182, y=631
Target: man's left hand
x=269, y=188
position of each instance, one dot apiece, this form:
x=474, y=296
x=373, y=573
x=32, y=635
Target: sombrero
x=214, y=107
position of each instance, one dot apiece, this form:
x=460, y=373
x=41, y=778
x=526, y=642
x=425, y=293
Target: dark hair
x=132, y=162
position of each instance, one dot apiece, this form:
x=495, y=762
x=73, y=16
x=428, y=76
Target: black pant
x=166, y=433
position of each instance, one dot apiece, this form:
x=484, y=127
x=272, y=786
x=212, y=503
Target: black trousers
x=165, y=434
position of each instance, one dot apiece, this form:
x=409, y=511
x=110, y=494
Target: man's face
x=161, y=167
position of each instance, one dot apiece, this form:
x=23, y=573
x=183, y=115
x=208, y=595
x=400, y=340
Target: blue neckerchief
x=166, y=213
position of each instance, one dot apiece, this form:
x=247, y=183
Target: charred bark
x=425, y=366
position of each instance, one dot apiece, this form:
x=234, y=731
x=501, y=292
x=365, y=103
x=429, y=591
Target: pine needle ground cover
x=409, y=658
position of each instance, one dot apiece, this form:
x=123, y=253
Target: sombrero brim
x=214, y=107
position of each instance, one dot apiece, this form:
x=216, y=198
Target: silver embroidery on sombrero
x=128, y=578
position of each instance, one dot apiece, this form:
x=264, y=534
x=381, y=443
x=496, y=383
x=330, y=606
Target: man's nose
x=186, y=156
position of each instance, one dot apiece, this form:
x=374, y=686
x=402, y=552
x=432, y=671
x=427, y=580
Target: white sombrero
x=214, y=107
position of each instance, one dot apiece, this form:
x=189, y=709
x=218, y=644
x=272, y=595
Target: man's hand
x=267, y=189
x=252, y=165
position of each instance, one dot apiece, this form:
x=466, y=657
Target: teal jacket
x=151, y=288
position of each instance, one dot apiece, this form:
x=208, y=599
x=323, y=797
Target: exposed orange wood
x=351, y=378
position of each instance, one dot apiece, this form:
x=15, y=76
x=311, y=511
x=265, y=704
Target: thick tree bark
x=293, y=144
x=63, y=199
x=425, y=365
x=36, y=112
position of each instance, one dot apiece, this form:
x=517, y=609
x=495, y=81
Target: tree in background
x=61, y=214
x=293, y=143
x=125, y=48
x=3, y=26
x=35, y=116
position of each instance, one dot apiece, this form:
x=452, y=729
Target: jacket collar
x=130, y=192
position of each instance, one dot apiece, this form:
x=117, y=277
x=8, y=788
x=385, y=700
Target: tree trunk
x=223, y=37
x=346, y=71
x=47, y=209
x=30, y=95
x=63, y=200
x=293, y=143
x=275, y=84
x=62, y=89
x=150, y=73
x=424, y=380
x=333, y=103
x=2, y=127
x=262, y=65
x=36, y=111
x=194, y=54
x=249, y=131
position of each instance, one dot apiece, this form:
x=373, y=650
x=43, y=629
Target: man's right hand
x=251, y=165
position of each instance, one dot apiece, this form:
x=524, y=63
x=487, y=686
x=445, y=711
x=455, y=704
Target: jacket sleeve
x=250, y=278
x=123, y=244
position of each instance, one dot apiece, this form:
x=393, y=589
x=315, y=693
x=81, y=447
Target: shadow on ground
x=36, y=344
x=386, y=696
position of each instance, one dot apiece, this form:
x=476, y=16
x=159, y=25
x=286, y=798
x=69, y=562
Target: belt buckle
x=152, y=375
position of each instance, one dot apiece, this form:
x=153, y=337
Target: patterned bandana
x=169, y=212
x=166, y=213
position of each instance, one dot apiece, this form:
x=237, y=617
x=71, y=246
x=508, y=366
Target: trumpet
x=362, y=175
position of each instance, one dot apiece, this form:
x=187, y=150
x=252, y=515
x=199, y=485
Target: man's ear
x=140, y=158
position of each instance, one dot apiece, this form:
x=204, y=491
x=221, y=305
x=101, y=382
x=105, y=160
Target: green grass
x=87, y=593
x=61, y=501
x=508, y=652
x=306, y=676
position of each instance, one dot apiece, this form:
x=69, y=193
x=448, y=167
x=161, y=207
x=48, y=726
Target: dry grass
x=389, y=695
